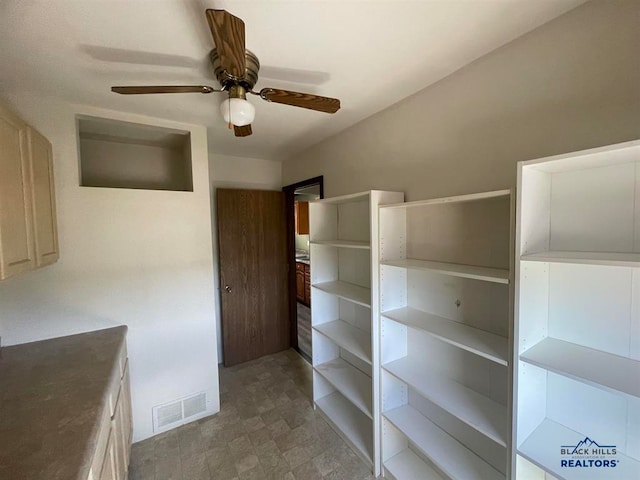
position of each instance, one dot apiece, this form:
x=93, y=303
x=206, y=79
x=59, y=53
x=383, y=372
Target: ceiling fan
x=236, y=68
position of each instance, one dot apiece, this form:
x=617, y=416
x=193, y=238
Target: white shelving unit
x=446, y=325
x=577, y=309
x=344, y=316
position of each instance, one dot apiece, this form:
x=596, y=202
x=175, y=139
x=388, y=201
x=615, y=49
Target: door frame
x=289, y=199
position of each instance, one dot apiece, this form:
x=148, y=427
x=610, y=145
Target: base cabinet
x=121, y=429
x=109, y=470
x=303, y=283
x=113, y=451
x=300, y=282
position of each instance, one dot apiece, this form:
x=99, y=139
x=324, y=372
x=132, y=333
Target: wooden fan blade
x=228, y=35
x=304, y=100
x=242, y=131
x=138, y=90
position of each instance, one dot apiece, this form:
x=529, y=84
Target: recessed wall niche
x=118, y=154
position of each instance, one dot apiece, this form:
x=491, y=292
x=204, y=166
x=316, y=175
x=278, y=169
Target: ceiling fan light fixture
x=238, y=111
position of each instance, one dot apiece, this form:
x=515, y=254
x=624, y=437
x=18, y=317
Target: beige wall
x=141, y=258
x=571, y=84
x=131, y=165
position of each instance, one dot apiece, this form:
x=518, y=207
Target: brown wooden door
x=253, y=273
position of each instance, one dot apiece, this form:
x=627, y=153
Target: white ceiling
x=370, y=54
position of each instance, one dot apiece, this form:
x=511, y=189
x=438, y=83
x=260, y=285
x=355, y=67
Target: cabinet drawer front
x=300, y=267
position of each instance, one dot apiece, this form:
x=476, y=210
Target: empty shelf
x=479, y=412
x=450, y=456
x=487, y=274
x=354, y=385
x=408, y=466
x=542, y=448
x=348, y=291
x=474, y=197
x=485, y=344
x=345, y=335
x=587, y=365
x=586, y=258
x=348, y=422
x=343, y=244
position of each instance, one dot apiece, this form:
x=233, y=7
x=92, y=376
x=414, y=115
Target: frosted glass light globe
x=237, y=111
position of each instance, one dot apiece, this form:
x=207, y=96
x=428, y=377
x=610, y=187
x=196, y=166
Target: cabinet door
x=302, y=218
x=118, y=434
x=121, y=427
x=127, y=415
x=300, y=286
x=16, y=235
x=307, y=285
x=109, y=471
x=43, y=199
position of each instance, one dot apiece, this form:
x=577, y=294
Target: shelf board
x=487, y=274
x=343, y=244
x=479, y=412
x=446, y=453
x=348, y=291
x=350, y=198
x=354, y=385
x=457, y=199
x=542, y=448
x=594, y=367
x=586, y=258
x=348, y=337
x=352, y=425
x=408, y=466
x=488, y=345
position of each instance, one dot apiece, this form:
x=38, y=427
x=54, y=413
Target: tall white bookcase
x=344, y=316
x=446, y=325
x=578, y=312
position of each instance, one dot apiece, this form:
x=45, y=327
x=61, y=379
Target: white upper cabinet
x=28, y=233
x=43, y=199
x=16, y=218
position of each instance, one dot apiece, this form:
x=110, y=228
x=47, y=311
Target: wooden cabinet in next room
x=303, y=283
x=300, y=282
x=302, y=218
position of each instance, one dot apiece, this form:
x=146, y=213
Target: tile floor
x=266, y=430
x=304, y=329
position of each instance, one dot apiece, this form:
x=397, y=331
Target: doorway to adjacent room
x=297, y=197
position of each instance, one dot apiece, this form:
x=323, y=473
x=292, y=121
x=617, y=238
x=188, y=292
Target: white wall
x=237, y=172
x=135, y=257
x=573, y=83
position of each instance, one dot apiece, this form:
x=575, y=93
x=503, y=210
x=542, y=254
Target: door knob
x=227, y=288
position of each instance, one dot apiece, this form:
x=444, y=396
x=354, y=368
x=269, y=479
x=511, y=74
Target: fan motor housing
x=250, y=77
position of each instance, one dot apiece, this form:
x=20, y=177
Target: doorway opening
x=297, y=198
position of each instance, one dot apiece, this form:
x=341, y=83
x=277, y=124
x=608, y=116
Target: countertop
x=306, y=262
x=52, y=397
